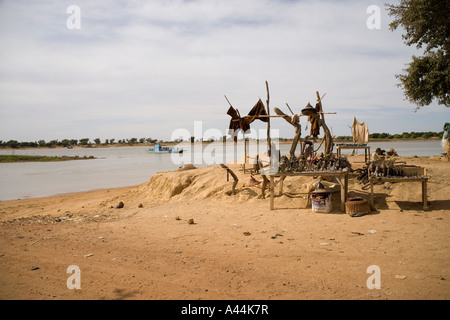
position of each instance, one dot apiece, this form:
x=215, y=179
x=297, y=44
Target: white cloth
x=360, y=132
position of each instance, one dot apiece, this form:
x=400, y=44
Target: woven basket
x=357, y=205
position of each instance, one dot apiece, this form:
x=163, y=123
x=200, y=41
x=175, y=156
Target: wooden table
x=341, y=177
x=424, y=181
x=366, y=150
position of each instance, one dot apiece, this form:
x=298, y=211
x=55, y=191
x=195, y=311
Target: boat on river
x=164, y=149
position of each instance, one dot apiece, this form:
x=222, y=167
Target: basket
x=357, y=205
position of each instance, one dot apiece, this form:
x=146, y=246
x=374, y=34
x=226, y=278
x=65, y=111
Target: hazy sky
x=145, y=68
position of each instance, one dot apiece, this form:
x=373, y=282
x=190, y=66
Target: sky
x=135, y=69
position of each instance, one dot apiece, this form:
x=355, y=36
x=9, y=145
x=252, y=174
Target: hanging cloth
x=243, y=123
x=360, y=132
x=445, y=142
x=315, y=124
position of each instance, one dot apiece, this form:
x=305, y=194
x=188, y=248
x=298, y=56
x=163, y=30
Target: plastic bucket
x=321, y=202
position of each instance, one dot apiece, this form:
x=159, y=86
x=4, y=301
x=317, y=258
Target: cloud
x=146, y=68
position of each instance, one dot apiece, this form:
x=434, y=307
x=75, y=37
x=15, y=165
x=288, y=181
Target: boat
x=164, y=149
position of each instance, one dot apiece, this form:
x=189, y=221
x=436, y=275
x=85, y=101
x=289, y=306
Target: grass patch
x=27, y=158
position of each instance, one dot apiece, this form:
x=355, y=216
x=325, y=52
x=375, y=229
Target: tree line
x=67, y=143
x=404, y=135
x=86, y=142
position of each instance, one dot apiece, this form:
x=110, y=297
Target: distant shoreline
x=171, y=143
x=27, y=158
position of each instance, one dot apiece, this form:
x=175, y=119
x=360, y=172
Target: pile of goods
x=387, y=169
x=380, y=168
x=384, y=169
x=321, y=163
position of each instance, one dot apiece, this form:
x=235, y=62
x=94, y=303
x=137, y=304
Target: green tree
x=97, y=141
x=12, y=144
x=84, y=141
x=65, y=143
x=52, y=143
x=426, y=23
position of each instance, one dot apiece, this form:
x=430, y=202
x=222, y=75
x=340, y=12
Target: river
x=129, y=166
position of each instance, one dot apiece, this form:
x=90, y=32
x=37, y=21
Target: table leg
x=424, y=194
x=342, y=196
x=271, y=192
x=344, y=190
x=371, y=192
x=281, y=185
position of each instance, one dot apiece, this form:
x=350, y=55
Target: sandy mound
x=211, y=183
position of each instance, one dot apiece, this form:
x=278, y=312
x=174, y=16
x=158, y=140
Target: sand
x=184, y=236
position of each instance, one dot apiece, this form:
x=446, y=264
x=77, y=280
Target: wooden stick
x=278, y=116
x=320, y=99
x=236, y=180
x=269, y=144
x=228, y=101
x=289, y=109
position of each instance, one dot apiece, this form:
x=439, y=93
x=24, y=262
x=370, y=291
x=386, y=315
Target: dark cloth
x=243, y=123
x=236, y=122
x=258, y=110
x=315, y=125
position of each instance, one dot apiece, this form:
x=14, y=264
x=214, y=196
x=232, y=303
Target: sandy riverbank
x=236, y=248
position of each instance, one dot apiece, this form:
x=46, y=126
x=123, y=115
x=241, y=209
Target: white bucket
x=321, y=202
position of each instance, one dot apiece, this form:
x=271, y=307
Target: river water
x=130, y=166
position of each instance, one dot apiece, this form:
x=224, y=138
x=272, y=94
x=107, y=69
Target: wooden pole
x=269, y=144
x=328, y=139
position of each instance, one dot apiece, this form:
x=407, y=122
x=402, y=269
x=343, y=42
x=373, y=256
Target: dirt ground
x=193, y=240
